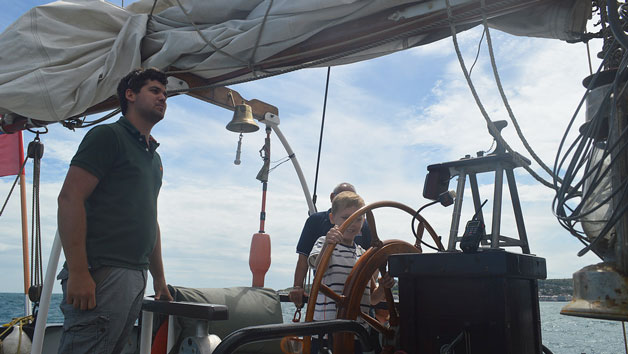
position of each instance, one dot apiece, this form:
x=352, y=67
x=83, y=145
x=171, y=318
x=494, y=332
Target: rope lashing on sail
x=319, y=62
x=208, y=42
x=152, y=9
x=251, y=62
x=259, y=37
x=489, y=122
x=320, y=139
x=83, y=124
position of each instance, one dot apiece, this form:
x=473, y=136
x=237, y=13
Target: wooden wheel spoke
x=370, y=219
x=389, y=333
x=420, y=230
x=339, y=299
x=392, y=310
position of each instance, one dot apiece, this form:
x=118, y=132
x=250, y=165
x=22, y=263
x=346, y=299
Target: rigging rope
x=581, y=151
x=13, y=186
x=152, y=9
x=200, y=33
x=589, y=58
x=259, y=36
x=477, y=54
x=511, y=114
x=490, y=123
x=281, y=162
x=36, y=152
x=320, y=139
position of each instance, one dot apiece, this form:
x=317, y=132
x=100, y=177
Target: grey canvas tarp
x=59, y=59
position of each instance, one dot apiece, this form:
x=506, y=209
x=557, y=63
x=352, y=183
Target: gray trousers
x=104, y=329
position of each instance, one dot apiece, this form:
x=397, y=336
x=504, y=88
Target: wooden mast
x=24, y=214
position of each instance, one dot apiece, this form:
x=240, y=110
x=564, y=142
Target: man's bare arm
x=297, y=292
x=71, y=218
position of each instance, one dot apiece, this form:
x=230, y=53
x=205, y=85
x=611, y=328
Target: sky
x=387, y=119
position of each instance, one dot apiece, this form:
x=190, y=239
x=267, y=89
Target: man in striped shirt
x=345, y=255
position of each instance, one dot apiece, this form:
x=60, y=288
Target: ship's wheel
x=348, y=304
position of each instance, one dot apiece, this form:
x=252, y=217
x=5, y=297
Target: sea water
x=561, y=334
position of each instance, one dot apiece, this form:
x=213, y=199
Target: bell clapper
x=238, y=150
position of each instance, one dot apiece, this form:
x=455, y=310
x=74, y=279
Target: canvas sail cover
x=61, y=58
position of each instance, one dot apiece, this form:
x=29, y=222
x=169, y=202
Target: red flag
x=11, y=154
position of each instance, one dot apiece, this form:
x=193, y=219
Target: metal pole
x=46, y=293
x=273, y=121
x=497, y=206
x=146, y=332
x=455, y=218
x=516, y=208
x=171, y=337
x=475, y=192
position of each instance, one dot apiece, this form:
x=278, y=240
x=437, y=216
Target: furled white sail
x=61, y=58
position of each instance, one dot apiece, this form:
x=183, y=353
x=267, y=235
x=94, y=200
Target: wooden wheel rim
x=342, y=301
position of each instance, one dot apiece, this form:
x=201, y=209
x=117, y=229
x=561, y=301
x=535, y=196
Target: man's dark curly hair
x=135, y=80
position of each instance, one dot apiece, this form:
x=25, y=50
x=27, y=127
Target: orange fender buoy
x=259, y=258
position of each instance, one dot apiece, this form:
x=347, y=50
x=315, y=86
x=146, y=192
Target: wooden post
x=25, y=259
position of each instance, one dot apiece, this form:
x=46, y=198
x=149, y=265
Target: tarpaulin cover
x=61, y=58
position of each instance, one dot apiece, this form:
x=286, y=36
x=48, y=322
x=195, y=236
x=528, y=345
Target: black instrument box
x=475, y=303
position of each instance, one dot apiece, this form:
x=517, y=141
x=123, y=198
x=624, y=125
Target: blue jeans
x=104, y=329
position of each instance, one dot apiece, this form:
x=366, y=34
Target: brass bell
x=242, y=121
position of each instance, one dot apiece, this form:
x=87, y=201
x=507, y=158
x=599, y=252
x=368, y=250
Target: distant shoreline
x=550, y=290
x=565, y=298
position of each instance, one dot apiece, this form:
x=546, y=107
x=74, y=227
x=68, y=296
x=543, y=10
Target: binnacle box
x=472, y=303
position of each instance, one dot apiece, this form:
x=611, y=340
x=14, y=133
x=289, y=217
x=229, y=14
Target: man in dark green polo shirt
x=108, y=221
